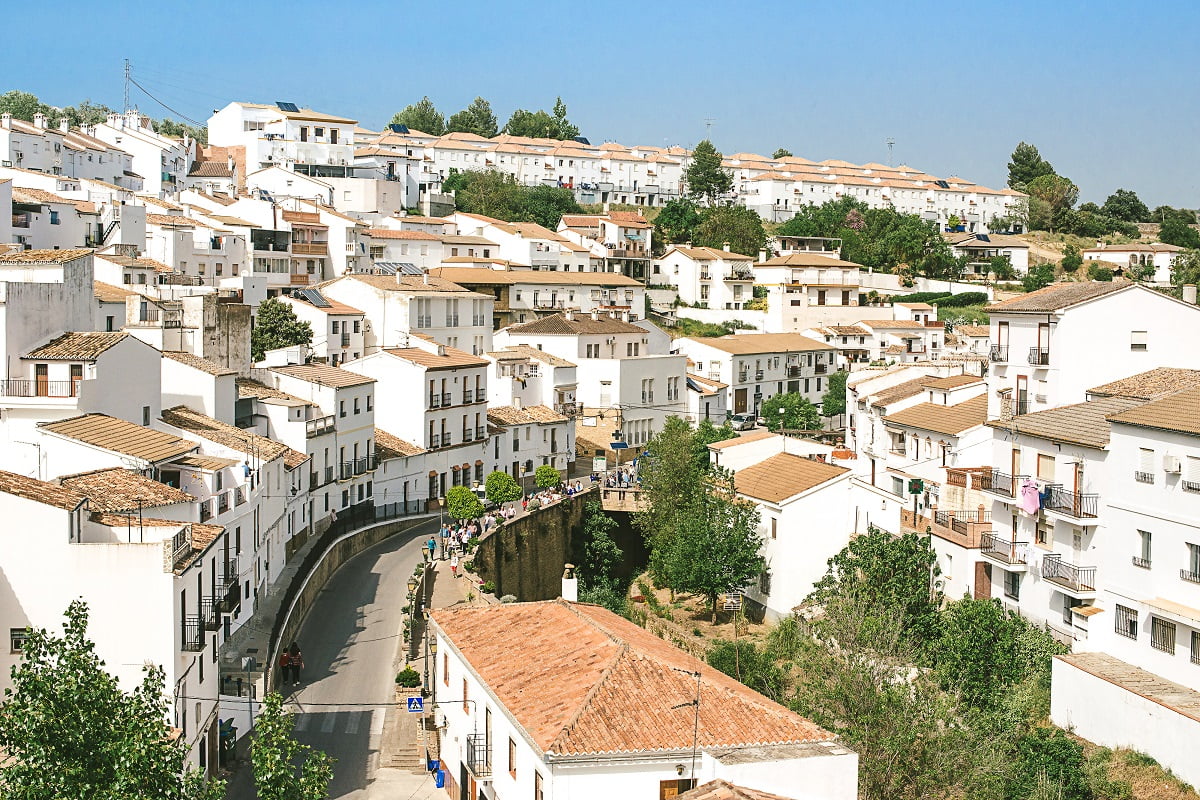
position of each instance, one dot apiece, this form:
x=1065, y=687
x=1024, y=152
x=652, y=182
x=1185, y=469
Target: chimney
x=595, y=313
x=570, y=316
x=5, y=120
x=762, y=256
x=725, y=247
x=1189, y=293
x=624, y=316
x=39, y=120
x=516, y=403
x=64, y=124
x=687, y=244
x=570, y=584
x=115, y=120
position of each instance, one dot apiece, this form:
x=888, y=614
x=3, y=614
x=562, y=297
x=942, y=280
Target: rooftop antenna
x=708, y=121
x=126, y=85
x=890, y=143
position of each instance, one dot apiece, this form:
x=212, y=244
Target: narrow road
x=349, y=642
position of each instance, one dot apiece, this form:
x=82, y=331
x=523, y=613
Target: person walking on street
x=454, y=565
x=296, y=661
x=431, y=545
x=285, y=667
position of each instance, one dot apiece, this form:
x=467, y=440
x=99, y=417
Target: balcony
x=1074, y=506
x=447, y=400
x=1009, y=555
x=435, y=401
x=1070, y=578
x=229, y=586
x=452, y=320
x=1039, y=356
x=821, y=369
x=468, y=397
x=21, y=387
x=481, y=432
x=191, y=635
x=481, y=394
x=329, y=475
x=999, y=353
x=792, y=372
x=1144, y=563
x=346, y=339
x=743, y=376
x=915, y=349
x=1000, y=483
x=210, y=615
x=205, y=511
x=704, y=276
x=479, y=755
x=566, y=409
x=319, y=427
x=758, y=375
x=740, y=276
x=468, y=435
x=223, y=502
x=300, y=278
x=239, y=496
x=435, y=441
x=1144, y=477
x=647, y=397
x=310, y=248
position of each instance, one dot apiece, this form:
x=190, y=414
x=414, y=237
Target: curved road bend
x=349, y=642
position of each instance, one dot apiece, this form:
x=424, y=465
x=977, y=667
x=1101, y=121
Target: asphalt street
x=349, y=642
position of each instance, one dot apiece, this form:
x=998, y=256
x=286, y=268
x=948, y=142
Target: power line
x=181, y=115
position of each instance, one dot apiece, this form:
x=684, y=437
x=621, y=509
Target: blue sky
x=1108, y=91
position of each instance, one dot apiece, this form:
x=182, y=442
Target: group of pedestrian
x=622, y=479
x=291, y=661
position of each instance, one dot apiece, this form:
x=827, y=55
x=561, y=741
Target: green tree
x=1026, y=166
x=756, y=667
x=707, y=433
x=741, y=227
x=706, y=179
x=284, y=769
x=87, y=113
x=23, y=105
x=422, y=116
x=565, y=130
x=462, y=503
x=1049, y=757
x=1001, y=267
x=68, y=730
x=886, y=575
x=1038, y=277
x=542, y=125
x=1185, y=269
x=546, y=477
x=490, y=193
x=669, y=469
x=1161, y=214
x=716, y=547
x=1056, y=192
x=1124, y=204
x=1099, y=273
x=1071, y=260
x=1180, y=233
x=833, y=402
x=500, y=488
x=546, y=205
x=793, y=410
x=976, y=652
x=676, y=222
x=476, y=118
x=781, y=152
x=169, y=127
x=599, y=580
x=275, y=326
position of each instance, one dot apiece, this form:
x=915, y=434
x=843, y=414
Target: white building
x=706, y=277
x=338, y=334
x=981, y=248
x=1124, y=257
x=522, y=375
x=756, y=366
x=532, y=436
x=617, y=373
x=161, y=161
x=591, y=666
x=297, y=139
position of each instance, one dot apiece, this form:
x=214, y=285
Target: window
x=1195, y=647
x=1143, y=559
x=465, y=701
x=445, y=668
x=512, y=757
x=334, y=327
x=1162, y=635
x=1192, y=573
x=1145, y=469
x=537, y=781
x=341, y=408
x=1045, y=467
x=1126, y=623
x=1138, y=340
x=674, y=788
x=356, y=409
x=16, y=639
x=1041, y=536
x=774, y=527
x=1012, y=585
x=146, y=416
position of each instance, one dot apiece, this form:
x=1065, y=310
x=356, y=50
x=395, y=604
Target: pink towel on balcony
x=1030, y=500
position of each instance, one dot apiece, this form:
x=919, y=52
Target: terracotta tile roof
x=723, y=790
x=538, y=355
x=404, y=283
x=581, y=220
x=324, y=375
x=1150, y=384
x=333, y=307
x=755, y=343
x=1059, y=296
x=883, y=324
x=304, y=114
x=707, y=254
x=196, y=362
x=45, y=256
x=50, y=494
x=949, y=420
x=979, y=331
x=451, y=358
x=76, y=346
x=809, y=260
x=119, y=489
x=952, y=381
x=526, y=415
x=848, y=330
x=1179, y=412
x=389, y=445
x=141, y=263
x=160, y=202
x=107, y=293
x=784, y=475
x=420, y=220
x=707, y=386
x=580, y=668
x=211, y=463
x=901, y=391
x=210, y=169
x=119, y=436
x=23, y=194
x=224, y=219
x=628, y=219
x=471, y=275
x=579, y=324
x=1136, y=247
x=1082, y=423
x=389, y=233
x=248, y=387
x=174, y=221
x=477, y=240
x=226, y=435
x=753, y=436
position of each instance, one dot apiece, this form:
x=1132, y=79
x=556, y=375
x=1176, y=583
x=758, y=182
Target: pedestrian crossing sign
x=416, y=705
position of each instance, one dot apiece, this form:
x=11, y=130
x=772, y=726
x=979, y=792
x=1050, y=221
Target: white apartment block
x=62, y=150
x=338, y=334
x=160, y=161
x=525, y=376
x=809, y=289
x=297, y=139
x=532, y=436
x=756, y=366
x=706, y=277
x=622, y=238
x=981, y=248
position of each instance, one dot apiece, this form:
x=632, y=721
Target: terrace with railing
x=999, y=548
x=1067, y=575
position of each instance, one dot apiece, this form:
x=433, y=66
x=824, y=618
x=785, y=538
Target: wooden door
x=1022, y=395
x=41, y=374
x=739, y=401
x=983, y=580
x=1002, y=334
x=76, y=378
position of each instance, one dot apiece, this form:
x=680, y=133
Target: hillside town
x=233, y=367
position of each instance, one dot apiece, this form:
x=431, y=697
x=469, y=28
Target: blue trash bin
x=434, y=765
x=439, y=779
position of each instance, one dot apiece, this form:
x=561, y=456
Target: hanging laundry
x=1031, y=500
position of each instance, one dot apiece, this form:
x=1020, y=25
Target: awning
x=466, y=466
x=478, y=462
x=1161, y=606
x=130, y=173
x=454, y=467
x=433, y=473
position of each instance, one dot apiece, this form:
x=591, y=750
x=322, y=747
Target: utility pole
x=708, y=121
x=890, y=143
x=126, y=109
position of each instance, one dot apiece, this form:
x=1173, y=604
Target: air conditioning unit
x=367, y=326
x=5, y=163
x=1172, y=465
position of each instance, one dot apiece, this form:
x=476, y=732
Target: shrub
x=488, y=587
x=472, y=543
x=508, y=598
x=546, y=477
x=920, y=297
x=468, y=565
x=964, y=299
x=408, y=678
x=1099, y=273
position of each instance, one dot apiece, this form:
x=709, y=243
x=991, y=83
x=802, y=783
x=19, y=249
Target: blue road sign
x=416, y=705
x=619, y=445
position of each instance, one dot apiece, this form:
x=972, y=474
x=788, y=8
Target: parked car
x=743, y=422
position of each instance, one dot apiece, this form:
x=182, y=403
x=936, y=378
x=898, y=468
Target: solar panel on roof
x=401, y=267
x=315, y=297
x=398, y=128
x=582, y=140
x=942, y=184
x=983, y=237
x=291, y=107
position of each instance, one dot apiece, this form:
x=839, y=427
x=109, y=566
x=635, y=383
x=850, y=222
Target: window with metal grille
x=1012, y=585
x=1195, y=647
x=1125, y=623
x=1162, y=635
